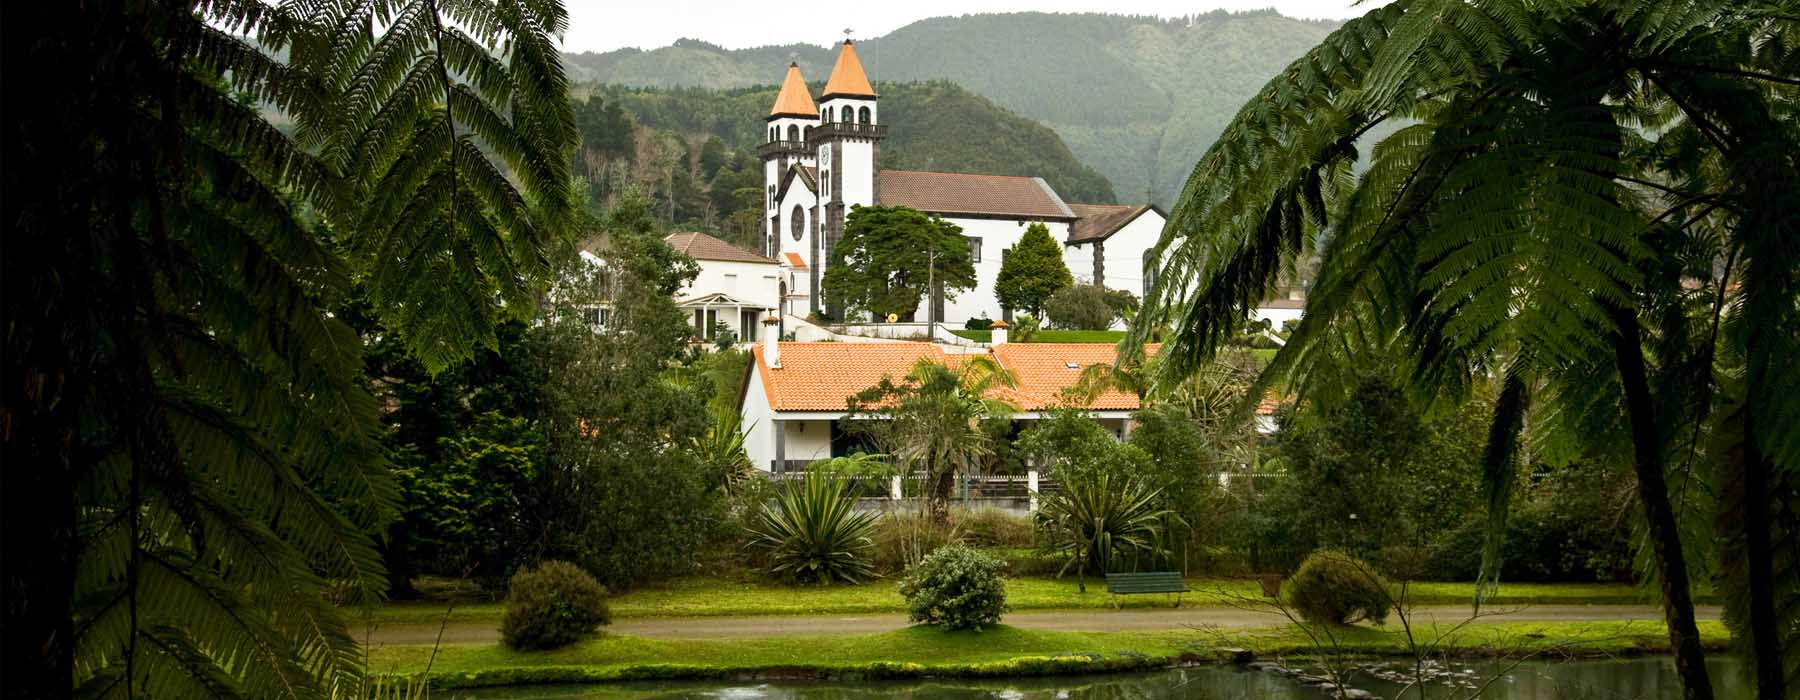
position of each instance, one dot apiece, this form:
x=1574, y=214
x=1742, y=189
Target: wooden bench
x=1146, y=582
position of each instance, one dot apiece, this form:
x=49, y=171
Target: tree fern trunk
x=1765, y=632
x=46, y=361
x=1659, y=513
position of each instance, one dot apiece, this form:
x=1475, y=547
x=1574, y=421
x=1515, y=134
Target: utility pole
x=931, y=287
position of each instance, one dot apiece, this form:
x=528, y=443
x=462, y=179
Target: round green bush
x=1336, y=588
x=956, y=588
x=552, y=606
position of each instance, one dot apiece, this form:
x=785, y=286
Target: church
x=821, y=159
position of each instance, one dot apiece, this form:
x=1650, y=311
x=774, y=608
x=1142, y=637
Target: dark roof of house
x=700, y=246
x=977, y=195
x=1101, y=220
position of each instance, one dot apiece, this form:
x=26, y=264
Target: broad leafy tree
x=890, y=255
x=1032, y=272
x=938, y=422
x=1591, y=204
x=192, y=457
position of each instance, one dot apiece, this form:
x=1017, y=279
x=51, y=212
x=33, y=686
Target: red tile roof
x=794, y=100
x=823, y=376
x=847, y=77
x=959, y=193
x=1045, y=370
x=1101, y=220
x=700, y=246
x=794, y=259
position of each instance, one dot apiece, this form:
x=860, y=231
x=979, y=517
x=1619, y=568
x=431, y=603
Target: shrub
x=1336, y=588
x=1102, y=519
x=812, y=533
x=1089, y=307
x=552, y=606
x=1024, y=328
x=956, y=588
x=992, y=527
x=979, y=323
x=903, y=539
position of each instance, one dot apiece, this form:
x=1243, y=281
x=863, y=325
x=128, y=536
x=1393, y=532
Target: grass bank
x=1050, y=336
x=1002, y=651
x=711, y=597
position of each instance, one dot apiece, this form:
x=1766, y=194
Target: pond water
x=1651, y=678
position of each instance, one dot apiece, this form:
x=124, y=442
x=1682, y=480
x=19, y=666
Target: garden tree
x=192, y=457
x=1193, y=434
x=1090, y=307
x=1372, y=472
x=937, y=422
x=625, y=493
x=889, y=255
x=1591, y=201
x=1031, y=272
x=606, y=140
x=1070, y=443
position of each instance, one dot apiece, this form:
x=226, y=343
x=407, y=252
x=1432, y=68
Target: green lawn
x=704, y=597
x=1051, y=336
x=999, y=651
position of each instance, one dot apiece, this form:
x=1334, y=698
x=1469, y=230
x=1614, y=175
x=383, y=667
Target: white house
x=736, y=289
x=796, y=399
x=820, y=158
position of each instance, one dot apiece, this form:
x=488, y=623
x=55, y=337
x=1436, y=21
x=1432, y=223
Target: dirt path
x=1137, y=619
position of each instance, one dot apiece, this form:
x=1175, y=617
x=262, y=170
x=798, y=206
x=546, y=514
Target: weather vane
x=847, y=32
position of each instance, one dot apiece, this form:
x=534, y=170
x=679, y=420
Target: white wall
x=757, y=422
x=996, y=236
x=807, y=439
x=1125, y=251
x=797, y=195
x=1080, y=259
x=758, y=284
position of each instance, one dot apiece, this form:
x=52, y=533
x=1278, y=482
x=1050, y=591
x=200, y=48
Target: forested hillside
x=693, y=150
x=1137, y=98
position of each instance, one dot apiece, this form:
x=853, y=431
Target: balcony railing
x=846, y=129
x=778, y=147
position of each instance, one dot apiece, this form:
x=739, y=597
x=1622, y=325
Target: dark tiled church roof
x=1101, y=220
x=700, y=246
x=978, y=195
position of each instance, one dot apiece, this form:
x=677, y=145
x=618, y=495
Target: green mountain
x=1138, y=98
x=933, y=125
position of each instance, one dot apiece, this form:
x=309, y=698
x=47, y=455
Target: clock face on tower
x=798, y=222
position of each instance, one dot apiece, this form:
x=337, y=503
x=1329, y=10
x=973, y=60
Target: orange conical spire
x=794, y=100
x=847, y=77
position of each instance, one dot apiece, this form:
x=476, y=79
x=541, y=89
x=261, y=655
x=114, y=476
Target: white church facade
x=821, y=159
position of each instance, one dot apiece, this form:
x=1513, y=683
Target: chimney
x=772, y=342
x=999, y=333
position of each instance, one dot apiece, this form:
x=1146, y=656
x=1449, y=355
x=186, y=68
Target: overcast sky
x=603, y=26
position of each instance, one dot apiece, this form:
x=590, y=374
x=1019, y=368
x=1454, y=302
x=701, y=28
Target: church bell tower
x=790, y=125
x=846, y=145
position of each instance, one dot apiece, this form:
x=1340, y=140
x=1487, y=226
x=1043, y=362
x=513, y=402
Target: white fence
x=1010, y=493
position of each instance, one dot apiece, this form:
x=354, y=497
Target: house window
x=705, y=321
x=793, y=132
x=1149, y=281
x=863, y=115
x=974, y=248
x=798, y=221
x=598, y=316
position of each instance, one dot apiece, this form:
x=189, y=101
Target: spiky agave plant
x=813, y=534
x=192, y=453
x=1099, y=518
